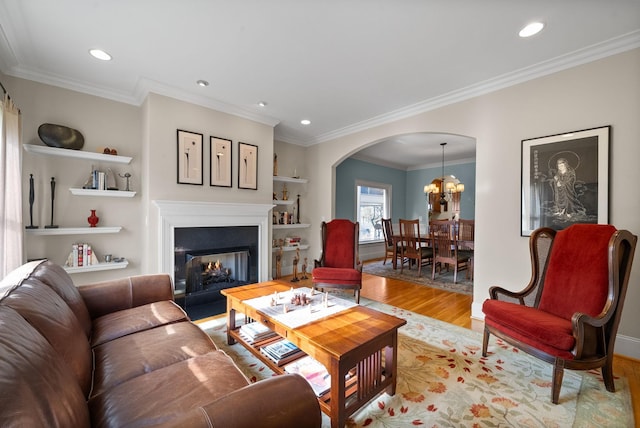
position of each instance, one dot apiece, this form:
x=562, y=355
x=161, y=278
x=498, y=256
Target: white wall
x=605, y=92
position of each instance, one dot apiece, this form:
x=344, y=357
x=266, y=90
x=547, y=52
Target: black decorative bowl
x=60, y=136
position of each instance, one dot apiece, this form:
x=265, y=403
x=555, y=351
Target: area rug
x=443, y=280
x=444, y=381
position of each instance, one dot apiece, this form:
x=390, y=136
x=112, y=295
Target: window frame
x=387, y=188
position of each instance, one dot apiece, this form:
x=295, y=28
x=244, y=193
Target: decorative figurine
x=279, y=262
x=304, y=270
x=93, y=219
x=296, y=259
x=32, y=197
x=53, y=197
x=298, y=209
x=126, y=176
x=285, y=192
x=275, y=165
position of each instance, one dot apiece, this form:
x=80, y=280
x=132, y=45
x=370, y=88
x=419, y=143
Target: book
x=283, y=360
x=281, y=349
x=314, y=372
x=255, y=331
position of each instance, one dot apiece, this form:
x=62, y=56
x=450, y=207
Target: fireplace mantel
x=173, y=214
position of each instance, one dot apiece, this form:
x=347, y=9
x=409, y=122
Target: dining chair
x=466, y=236
x=413, y=247
x=339, y=265
x=391, y=247
x=445, y=248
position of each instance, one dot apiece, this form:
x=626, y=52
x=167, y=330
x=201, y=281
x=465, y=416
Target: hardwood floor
x=455, y=308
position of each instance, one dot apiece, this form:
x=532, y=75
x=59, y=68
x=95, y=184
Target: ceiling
x=344, y=65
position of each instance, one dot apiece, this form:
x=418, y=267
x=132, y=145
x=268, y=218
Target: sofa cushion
x=35, y=390
x=45, y=310
x=124, y=358
x=121, y=323
x=166, y=394
x=60, y=282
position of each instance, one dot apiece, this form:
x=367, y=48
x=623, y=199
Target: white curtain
x=11, y=227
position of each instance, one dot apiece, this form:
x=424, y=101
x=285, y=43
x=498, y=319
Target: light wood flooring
x=455, y=308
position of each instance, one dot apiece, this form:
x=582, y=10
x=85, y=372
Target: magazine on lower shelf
x=255, y=331
x=315, y=373
x=281, y=360
x=281, y=349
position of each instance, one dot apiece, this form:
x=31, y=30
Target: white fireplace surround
x=176, y=214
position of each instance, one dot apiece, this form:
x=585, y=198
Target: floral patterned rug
x=445, y=382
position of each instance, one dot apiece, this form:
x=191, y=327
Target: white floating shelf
x=289, y=179
x=291, y=226
x=301, y=247
x=277, y=202
x=101, y=193
x=74, y=230
x=98, y=267
x=76, y=154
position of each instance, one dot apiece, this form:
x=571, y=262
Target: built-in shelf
x=74, y=230
x=300, y=247
x=291, y=226
x=287, y=202
x=93, y=192
x=289, y=179
x=76, y=154
x=97, y=267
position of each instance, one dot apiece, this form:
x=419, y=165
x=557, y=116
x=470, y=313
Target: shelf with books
x=74, y=230
x=96, y=267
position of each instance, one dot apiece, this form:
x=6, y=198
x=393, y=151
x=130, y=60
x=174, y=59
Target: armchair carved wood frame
x=568, y=314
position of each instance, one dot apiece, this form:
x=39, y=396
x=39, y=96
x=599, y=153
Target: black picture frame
x=565, y=179
x=190, y=162
x=220, y=161
x=247, y=166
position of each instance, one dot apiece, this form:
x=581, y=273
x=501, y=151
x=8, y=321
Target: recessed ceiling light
x=262, y=103
x=531, y=29
x=202, y=83
x=100, y=54
x=305, y=122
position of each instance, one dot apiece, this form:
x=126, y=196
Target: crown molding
x=582, y=56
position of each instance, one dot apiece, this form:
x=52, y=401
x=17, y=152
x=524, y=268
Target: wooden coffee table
x=357, y=338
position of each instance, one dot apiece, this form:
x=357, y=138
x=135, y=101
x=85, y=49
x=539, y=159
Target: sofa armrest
x=110, y=296
x=279, y=401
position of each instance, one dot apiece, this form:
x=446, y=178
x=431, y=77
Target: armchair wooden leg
x=558, y=373
x=485, y=342
x=358, y=296
x=607, y=375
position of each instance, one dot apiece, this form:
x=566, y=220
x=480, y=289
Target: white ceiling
x=345, y=65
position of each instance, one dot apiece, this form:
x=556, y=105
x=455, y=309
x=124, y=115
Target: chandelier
x=448, y=188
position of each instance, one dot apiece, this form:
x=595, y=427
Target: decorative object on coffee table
x=60, y=136
x=93, y=219
x=53, y=197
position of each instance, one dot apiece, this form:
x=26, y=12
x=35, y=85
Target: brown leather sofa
x=122, y=354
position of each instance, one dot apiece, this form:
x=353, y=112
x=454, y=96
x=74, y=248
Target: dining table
x=397, y=239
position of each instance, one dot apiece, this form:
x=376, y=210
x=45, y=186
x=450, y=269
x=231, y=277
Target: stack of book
x=314, y=372
x=281, y=352
x=81, y=255
x=255, y=332
x=292, y=241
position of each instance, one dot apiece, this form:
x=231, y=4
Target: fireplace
x=210, y=259
x=176, y=216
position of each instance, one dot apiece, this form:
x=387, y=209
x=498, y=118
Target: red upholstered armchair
x=568, y=315
x=339, y=265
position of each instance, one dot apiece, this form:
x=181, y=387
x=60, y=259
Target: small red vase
x=93, y=218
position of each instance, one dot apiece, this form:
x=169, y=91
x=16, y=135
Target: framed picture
x=220, y=162
x=247, y=166
x=190, y=162
x=565, y=179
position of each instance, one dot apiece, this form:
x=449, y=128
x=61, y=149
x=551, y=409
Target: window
x=373, y=203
